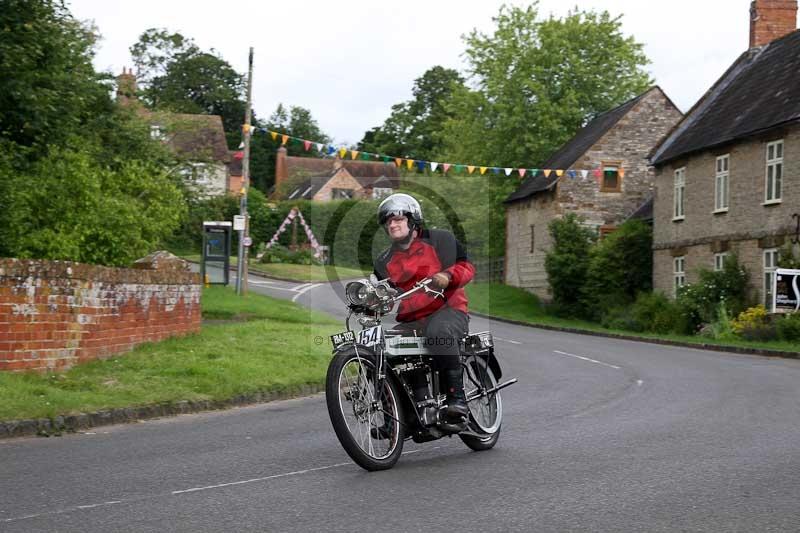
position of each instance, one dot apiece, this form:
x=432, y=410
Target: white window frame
x=679, y=195
x=722, y=184
x=381, y=192
x=771, y=257
x=773, y=174
x=719, y=261
x=678, y=273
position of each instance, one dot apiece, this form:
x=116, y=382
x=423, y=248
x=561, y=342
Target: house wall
x=54, y=314
x=525, y=268
x=342, y=180
x=628, y=144
x=748, y=227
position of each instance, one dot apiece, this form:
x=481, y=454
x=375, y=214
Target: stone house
x=728, y=175
x=326, y=179
x=610, y=179
x=199, y=140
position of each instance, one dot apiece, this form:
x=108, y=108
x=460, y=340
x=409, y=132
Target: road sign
x=247, y=241
x=786, y=291
x=238, y=223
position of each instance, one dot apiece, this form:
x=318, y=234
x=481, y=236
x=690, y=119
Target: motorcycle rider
x=417, y=253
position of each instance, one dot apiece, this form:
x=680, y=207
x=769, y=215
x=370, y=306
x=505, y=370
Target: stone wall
x=748, y=226
x=342, y=180
x=54, y=314
x=627, y=144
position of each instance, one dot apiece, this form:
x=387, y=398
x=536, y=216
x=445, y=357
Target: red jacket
x=433, y=251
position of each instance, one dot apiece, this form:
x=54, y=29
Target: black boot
x=456, y=400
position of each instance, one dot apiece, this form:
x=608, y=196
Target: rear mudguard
x=491, y=360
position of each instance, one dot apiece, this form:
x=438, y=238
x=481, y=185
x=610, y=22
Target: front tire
x=366, y=420
x=485, y=411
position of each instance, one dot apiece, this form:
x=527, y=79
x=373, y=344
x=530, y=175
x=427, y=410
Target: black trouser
x=442, y=330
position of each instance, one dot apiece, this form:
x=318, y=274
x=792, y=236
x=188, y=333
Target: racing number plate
x=367, y=337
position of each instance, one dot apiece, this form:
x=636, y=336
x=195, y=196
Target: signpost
x=786, y=291
x=241, y=278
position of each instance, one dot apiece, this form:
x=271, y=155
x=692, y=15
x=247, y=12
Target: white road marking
x=639, y=382
x=300, y=293
x=299, y=287
x=507, y=340
x=260, y=282
x=586, y=359
x=254, y=480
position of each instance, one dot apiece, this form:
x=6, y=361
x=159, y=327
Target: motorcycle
x=381, y=387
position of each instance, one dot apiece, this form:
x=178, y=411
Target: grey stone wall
x=748, y=227
x=626, y=144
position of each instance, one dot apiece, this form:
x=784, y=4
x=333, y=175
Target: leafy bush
x=651, y=312
x=281, y=254
x=700, y=301
x=620, y=266
x=789, y=256
x=788, y=327
x=753, y=324
x=567, y=264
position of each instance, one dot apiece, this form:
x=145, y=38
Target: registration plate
x=367, y=337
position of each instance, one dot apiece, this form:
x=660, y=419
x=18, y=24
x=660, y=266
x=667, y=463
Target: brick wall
x=748, y=226
x=54, y=314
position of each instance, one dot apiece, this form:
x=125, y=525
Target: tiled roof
x=195, y=136
x=299, y=166
x=573, y=149
x=760, y=91
x=644, y=212
x=308, y=188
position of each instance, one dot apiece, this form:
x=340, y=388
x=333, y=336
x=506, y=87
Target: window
x=380, y=192
x=611, y=178
x=770, y=264
x=679, y=273
x=774, y=172
x=719, y=261
x=533, y=237
x=680, y=194
x=342, y=194
x=721, y=189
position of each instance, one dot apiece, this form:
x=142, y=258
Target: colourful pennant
x=621, y=172
x=409, y=163
x=470, y=168
x=398, y=162
x=547, y=173
x=559, y=173
x=584, y=174
x=284, y=138
x=521, y=172
x=434, y=165
x=353, y=154
x=307, y=145
x=342, y=152
x=446, y=167
x=508, y=171
x=483, y=171
x=274, y=135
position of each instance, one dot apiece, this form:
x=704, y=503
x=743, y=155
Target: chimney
x=770, y=20
x=126, y=87
x=281, y=171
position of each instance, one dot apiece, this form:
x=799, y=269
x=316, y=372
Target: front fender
x=491, y=361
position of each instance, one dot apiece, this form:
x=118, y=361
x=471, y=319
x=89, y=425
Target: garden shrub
x=753, y=324
x=620, y=266
x=699, y=302
x=654, y=312
x=788, y=327
x=567, y=264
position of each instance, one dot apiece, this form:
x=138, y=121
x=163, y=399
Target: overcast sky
x=349, y=62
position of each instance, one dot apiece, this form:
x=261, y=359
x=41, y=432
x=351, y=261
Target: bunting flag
x=421, y=165
x=238, y=155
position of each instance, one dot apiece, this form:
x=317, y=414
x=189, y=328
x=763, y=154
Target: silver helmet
x=400, y=204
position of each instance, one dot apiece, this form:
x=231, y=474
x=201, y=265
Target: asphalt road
x=598, y=435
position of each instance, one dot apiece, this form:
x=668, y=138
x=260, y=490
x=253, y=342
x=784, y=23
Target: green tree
x=537, y=82
x=567, y=264
x=179, y=77
x=414, y=128
x=49, y=90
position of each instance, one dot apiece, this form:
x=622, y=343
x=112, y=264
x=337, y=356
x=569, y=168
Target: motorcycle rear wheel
x=366, y=420
x=486, y=411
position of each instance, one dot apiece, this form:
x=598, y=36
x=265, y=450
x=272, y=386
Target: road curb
x=58, y=425
x=257, y=273
x=665, y=342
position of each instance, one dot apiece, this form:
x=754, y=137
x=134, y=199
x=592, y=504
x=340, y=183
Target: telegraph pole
x=241, y=278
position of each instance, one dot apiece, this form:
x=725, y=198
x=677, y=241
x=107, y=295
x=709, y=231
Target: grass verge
x=503, y=301
x=300, y=273
x=273, y=348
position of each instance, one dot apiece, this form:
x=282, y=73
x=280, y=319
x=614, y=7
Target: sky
x=350, y=62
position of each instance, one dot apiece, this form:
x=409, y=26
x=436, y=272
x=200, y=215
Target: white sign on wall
x=786, y=291
x=238, y=222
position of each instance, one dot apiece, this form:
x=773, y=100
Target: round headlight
x=356, y=293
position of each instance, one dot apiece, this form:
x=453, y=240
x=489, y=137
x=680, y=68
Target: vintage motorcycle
x=381, y=386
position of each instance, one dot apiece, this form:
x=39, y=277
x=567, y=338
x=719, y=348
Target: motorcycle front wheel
x=365, y=416
x=485, y=409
